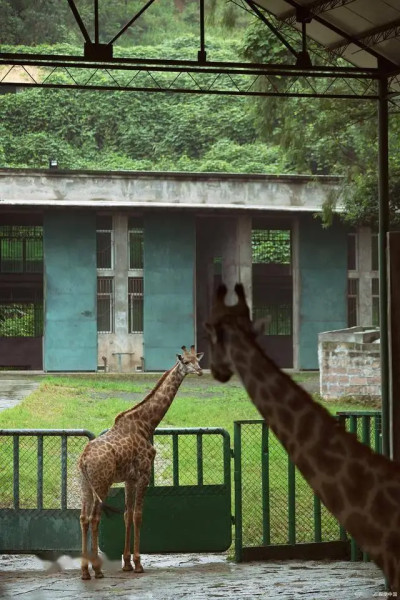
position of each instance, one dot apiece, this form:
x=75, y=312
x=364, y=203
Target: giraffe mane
x=153, y=391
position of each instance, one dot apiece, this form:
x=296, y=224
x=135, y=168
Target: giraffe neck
x=358, y=486
x=152, y=409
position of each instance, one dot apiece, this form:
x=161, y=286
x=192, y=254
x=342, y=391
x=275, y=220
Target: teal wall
x=323, y=284
x=70, y=331
x=169, y=262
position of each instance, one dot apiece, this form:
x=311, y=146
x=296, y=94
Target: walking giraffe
x=360, y=487
x=125, y=453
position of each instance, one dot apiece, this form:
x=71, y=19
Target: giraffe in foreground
x=125, y=453
x=360, y=487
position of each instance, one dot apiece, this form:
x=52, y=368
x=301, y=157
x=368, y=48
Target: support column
x=383, y=172
x=236, y=256
x=364, y=276
x=120, y=227
x=394, y=338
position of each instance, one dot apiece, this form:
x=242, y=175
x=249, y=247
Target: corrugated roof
x=361, y=31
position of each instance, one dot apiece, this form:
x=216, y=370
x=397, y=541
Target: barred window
x=352, y=302
x=105, y=305
x=135, y=304
x=104, y=242
x=21, y=249
x=135, y=243
x=271, y=246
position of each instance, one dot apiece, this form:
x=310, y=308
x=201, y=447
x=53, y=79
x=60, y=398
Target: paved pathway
x=13, y=388
x=191, y=577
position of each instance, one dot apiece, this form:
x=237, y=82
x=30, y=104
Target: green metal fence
x=187, y=506
x=277, y=515
x=39, y=489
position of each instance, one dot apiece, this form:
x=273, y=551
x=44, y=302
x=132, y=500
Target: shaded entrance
x=21, y=295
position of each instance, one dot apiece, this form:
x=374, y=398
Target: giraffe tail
x=104, y=507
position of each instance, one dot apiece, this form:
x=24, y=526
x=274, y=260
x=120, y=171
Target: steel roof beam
x=316, y=8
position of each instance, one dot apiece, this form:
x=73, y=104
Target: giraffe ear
x=179, y=357
x=199, y=356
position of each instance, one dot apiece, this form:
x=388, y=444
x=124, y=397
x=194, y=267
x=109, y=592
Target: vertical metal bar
x=64, y=472
x=377, y=434
x=317, y=519
x=152, y=476
x=202, y=56
x=40, y=472
x=265, y=485
x=199, y=459
x=383, y=187
x=175, y=459
x=292, y=502
x=96, y=21
x=16, y=470
x=353, y=545
x=237, y=445
x=342, y=530
x=366, y=439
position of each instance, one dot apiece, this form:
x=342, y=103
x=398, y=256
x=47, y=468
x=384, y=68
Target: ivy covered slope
x=137, y=131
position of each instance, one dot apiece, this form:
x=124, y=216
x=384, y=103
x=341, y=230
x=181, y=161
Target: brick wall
x=349, y=363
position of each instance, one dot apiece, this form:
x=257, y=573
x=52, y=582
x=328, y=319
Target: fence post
x=237, y=445
x=265, y=484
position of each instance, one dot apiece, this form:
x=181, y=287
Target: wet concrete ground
x=194, y=577
x=14, y=387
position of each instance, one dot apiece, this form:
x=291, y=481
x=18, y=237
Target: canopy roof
x=360, y=31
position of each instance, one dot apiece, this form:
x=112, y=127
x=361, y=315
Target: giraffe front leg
x=137, y=521
x=128, y=518
x=95, y=521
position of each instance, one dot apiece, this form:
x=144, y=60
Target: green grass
x=91, y=402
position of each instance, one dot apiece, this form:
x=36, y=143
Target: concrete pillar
x=120, y=228
x=236, y=256
x=364, y=277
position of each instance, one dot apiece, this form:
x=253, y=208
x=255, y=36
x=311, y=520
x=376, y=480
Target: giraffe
x=358, y=486
x=125, y=454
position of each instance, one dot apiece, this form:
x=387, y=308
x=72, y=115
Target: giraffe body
x=360, y=487
x=125, y=454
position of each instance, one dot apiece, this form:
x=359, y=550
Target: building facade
x=116, y=271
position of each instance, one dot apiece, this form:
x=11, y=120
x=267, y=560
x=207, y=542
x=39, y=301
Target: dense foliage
x=133, y=131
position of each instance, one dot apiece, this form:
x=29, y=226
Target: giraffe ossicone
x=360, y=487
x=125, y=454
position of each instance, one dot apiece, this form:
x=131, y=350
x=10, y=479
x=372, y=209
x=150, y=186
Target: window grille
x=374, y=252
x=21, y=249
x=375, y=301
x=278, y=318
x=135, y=243
x=352, y=252
x=271, y=246
x=104, y=242
x=352, y=302
x=135, y=304
x=105, y=305
x=21, y=319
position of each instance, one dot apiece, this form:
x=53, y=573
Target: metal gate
x=187, y=506
x=277, y=515
x=39, y=490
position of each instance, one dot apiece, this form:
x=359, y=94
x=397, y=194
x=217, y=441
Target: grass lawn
x=91, y=402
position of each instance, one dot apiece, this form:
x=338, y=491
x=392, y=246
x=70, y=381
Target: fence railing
x=274, y=505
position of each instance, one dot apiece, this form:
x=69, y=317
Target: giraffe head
x=189, y=361
x=223, y=321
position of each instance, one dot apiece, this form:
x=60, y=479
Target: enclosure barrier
x=187, y=506
x=277, y=515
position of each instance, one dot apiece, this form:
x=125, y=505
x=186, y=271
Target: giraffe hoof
x=99, y=575
x=127, y=567
x=86, y=576
x=139, y=569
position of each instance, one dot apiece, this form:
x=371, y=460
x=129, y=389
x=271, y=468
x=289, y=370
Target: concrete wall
x=296, y=193
x=322, y=285
x=70, y=328
x=169, y=305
